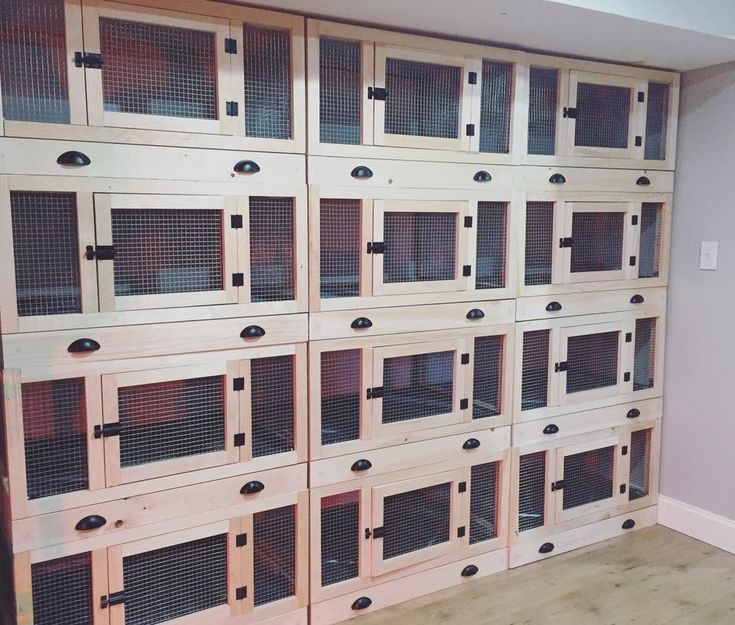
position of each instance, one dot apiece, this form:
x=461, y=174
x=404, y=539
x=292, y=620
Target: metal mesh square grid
x=340, y=91
x=532, y=491
x=487, y=377
x=491, y=245
x=161, y=251
x=657, y=121
x=588, y=477
x=603, y=115
x=274, y=554
x=62, y=591
x=339, y=252
x=33, y=72
x=495, y=107
x=650, y=245
x=46, y=253
x=484, y=502
x=539, y=243
x=423, y=99
x=644, y=367
x=419, y=247
x=535, y=373
x=272, y=405
x=158, y=70
x=341, y=386
x=542, y=106
x=168, y=420
x=416, y=520
x=592, y=361
x=340, y=534
x=417, y=386
x=640, y=465
x=272, y=248
x=175, y=581
x=598, y=242
x=268, y=97
x=55, y=437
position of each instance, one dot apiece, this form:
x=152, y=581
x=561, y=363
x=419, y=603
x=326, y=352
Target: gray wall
x=698, y=456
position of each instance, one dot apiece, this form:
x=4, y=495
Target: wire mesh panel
x=593, y=361
x=644, y=367
x=535, y=373
x=268, y=97
x=416, y=520
x=640, y=465
x=168, y=420
x=423, y=99
x=161, y=251
x=33, y=57
x=340, y=91
x=339, y=248
x=491, y=245
x=650, y=245
x=274, y=554
x=532, y=491
x=272, y=247
x=341, y=390
x=539, y=243
x=588, y=477
x=46, y=253
x=272, y=405
x=495, y=107
x=152, y=69
x=340, y=537
x=417, y=386
x=542, y=107
x=55, y=437
x=419, y=247
x=62, y=591
x=598, y=241
x=175, y=581
x=603, y=115
x=657, y=121
x=487, y=377
x=484, y=502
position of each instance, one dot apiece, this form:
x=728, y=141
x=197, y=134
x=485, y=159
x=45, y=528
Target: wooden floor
x=652, y=577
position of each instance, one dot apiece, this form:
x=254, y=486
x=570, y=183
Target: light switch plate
x=708, y=256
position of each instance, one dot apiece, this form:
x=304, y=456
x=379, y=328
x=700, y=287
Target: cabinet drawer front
x=598, y=180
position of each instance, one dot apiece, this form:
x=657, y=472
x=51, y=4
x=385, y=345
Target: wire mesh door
x=535, y=509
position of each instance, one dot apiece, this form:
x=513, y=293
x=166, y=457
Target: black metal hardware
x=470, y=130
x=246, y=167
x=632, y=261
x=81, y=346
x=232, y=109
x=624, y=450
x=471, y=443
x=464, y=404
x=570, y=112
x=101, y=252
x=638, y=141
x=626, y=376
x=553, y=307
x=74, y=159
x=623, y=488
x=461, y=531
x=628, y=337
x=633, y=413
x=466, y=270
x=464, y=359
x=238, y=384
x=252, y=332
x=241, y=540
x=107, y=430
x=475, y=313
x=90, y=60
x=566, y=242
x=376, y=392
x=472, y=78
x=482, y=176
x=469, y=571
x=252, y=487
x=238, y=279
x=235, y=221
x=361, y=171
x=240, y=440
x=634, y=220
x=91, y=522
x=546, y=548
x=361, y=465
x=468, y=221
x=379, y=532
x=361, y=603
x=641, y=96
x=643, y=181
x=376, y=248
x=561, y=366
x=462, y=487
x=377, y=93
x=637, y=299
x=361, y=323
x=558, y=485
x=114, y=598
x=230, y=45
x=552, y=428
x=628, y=524
x=557, y=179
x=241, y=593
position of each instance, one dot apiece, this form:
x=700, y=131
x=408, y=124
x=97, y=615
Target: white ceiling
x=687, y=37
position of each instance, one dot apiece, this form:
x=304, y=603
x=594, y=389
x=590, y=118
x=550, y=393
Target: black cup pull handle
x=475, y=313
x=557, y=179
x=470, y=570
x=643, y=181
x=628, y=524
x=361, y=465
x=91, y=522
x=246, y=167
x=361, y=323
x=361, y=171
x=546, y=548
x=362, y=603
x=552, y=428
x=637, y=299
x=81, y=346
x=553, y=307
x=471, y=443
x=482, y=176
x=252, y=332
x=74, y=159
x=633, y=413
x=252, y=487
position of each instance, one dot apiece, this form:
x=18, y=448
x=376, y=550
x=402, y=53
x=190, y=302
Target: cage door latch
x=558, y=485
x=101, y=252
x=566, y=242
x=561, y=366
x=376, y=392
x=377, y=93
x=114, y=598
x=376, y=248
x=89, y=60
x=570, y=112
x=378, y=532
x=107, y=430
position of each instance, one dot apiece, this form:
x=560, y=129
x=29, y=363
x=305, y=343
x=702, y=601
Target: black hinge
x=241, y=593
x=634, y=220
x=240, y=440
x=89, y=60
x=107, y=430
x=628, y=337
x=230, y=46
x=101, y=252
x=464, y=359
x=238, y=384
x=377, y=93
x=472, y=79
x=464, y=404
x=624, y=450
x=236, y=221
x=241, y=540
x=632, y=261
x=232, y=109
x=462, y=487
x=623, y=488
x=638, y=141
x=376, y=392
x=468, y=221
x=570, y=112
x=466, y=270
x=566, y=242
x=626, y=376
x=376, y=248
x=641, y=96
x=470, y=130
x=114, y=598
x=238, y=279
x=558, y=485
x=561, y=366
x=461, y=531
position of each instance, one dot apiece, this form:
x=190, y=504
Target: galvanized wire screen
x=150, y=69
x=484, y=502
x=339, y=248
x=535, y=372
x=168, y=420
x=418, y=386
x=419, y=247
x=532, y=491
x=341, y=390
x=55, y=437
x=173, y=582
x=33, y=57
x=495, y=107
x=416, y=520
x=62, y=591
x=588, y=477
x=273, y=415
x=423, y=99
x=597, y=241
x=644, y=368
x=340, y=91
x=490, y=266
x=272, y=249
x=161, y=251
x=657, y=121
x=340, y=537
x=487, y=377
x=46, y=253
x=274, y=554
x=542, y=107
x=268, y=97
x=592, y=360
x=539, y=243
x=603, y=115
x=650, y=245
x=640, y=465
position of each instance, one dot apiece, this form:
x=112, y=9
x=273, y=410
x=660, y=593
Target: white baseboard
x=697, y=523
